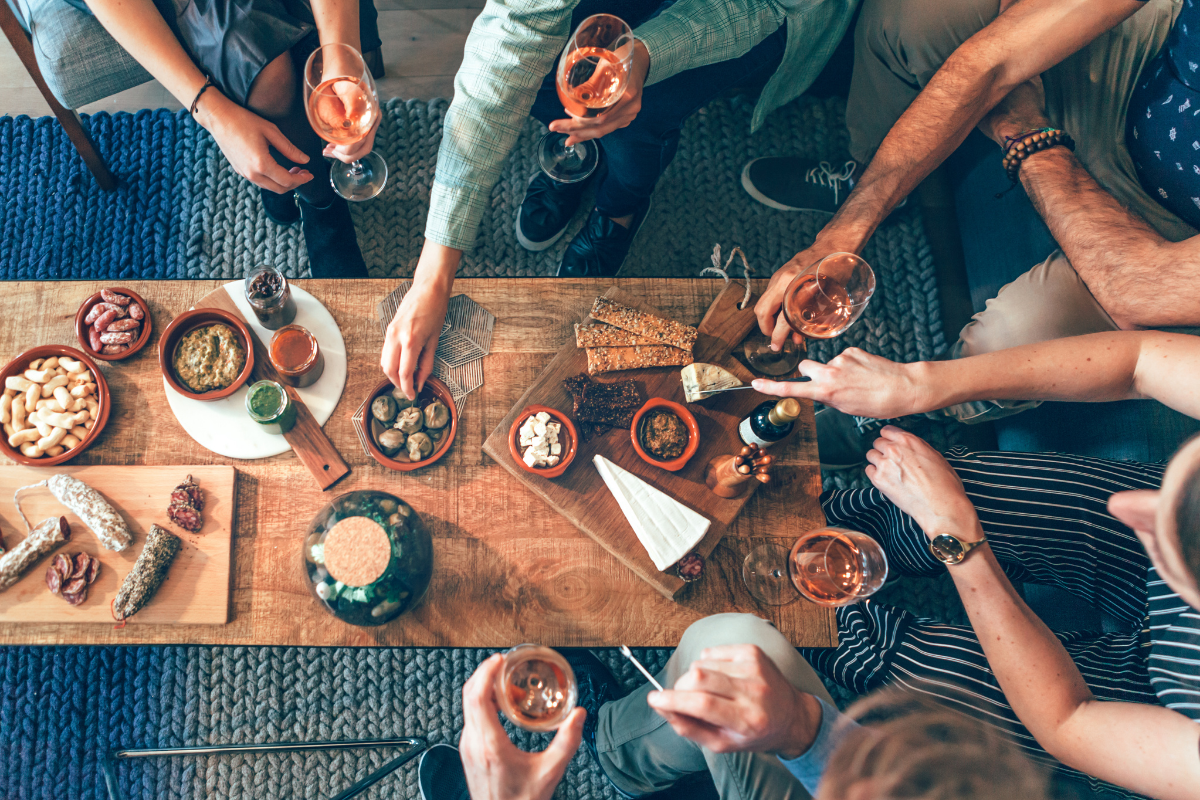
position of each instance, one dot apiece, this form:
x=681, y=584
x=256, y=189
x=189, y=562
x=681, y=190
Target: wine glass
x=536, y=687
x=343, y=106
x=825, y=300
x=762, y=359
x=829, y=566
x=592, y=74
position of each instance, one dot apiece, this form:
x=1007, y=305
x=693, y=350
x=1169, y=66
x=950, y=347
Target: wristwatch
x=950, y=550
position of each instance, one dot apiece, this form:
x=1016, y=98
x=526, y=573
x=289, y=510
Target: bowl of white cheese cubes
x=543, y=441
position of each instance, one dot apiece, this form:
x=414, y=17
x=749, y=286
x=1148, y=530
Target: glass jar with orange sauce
x=296, y=356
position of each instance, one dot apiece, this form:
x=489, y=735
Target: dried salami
x=41, y=540
x=187, y=501
x=64, y=565
x=53, y=580
x=189, y=493
x=93, y=571
x=690, y=567
x=136, y=311
x=186, y=517
x=89, y=505
x=74, y=586
x=82, y=560
x=148, y=573
x=77, y=598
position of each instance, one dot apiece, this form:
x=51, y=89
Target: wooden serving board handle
x=725, y=325
x=306, y=437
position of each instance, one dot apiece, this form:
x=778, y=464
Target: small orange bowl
x=137, y=344
x=189, y=321
x=18, y=366
x=434, y=389
x=675, y=464
x=570, y=446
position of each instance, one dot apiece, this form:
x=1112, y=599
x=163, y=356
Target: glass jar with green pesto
x=268, y=404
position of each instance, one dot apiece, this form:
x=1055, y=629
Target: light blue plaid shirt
x=513, y=44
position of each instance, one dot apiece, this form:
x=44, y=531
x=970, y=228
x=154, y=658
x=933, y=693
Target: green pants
x=642, y=754
x=900, y=44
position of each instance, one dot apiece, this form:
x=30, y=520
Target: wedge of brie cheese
x=699, y=378
x=667, y=529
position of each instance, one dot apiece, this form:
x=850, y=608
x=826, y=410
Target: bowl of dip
x=206, y=354
x=296, y=356
x=665, y=434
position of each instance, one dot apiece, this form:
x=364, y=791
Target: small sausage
x=107, y=318
x=137, y=312
x=94, y=339
x=123, y=337
x=114, y=349
x=71, y=365
x=124, y=325
x=93, y=312
x=110, y=296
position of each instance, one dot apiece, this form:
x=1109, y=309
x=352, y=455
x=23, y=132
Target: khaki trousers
x=900, y=44
x=641, y=753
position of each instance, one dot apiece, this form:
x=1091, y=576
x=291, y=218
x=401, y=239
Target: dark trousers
x=638, y=154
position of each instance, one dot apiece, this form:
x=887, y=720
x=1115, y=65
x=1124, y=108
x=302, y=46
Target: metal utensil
x=711, y=392
x=625, y=651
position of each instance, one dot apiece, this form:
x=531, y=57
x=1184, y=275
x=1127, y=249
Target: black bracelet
x=208, y=81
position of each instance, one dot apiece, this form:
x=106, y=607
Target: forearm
x=337, y=21
x=437, y=266
x=693, y=33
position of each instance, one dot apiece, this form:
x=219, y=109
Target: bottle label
x=749, y=436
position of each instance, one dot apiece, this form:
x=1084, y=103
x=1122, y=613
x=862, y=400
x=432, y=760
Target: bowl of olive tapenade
x=368, y=558
x=403, y=434
x=665, y=434
x=205, y=354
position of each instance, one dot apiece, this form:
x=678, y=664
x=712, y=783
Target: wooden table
x=507, y=569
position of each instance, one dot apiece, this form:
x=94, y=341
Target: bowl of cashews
x=54, y=405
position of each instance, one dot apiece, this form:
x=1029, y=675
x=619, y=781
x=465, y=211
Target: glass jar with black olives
x=270, y=297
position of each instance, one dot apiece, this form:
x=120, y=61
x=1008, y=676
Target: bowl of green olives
x=403, y=434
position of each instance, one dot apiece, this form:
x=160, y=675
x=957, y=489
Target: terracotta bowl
x=570, y=445
x=189, y=321
x=138, y=343
x=675, y=464
x=18, y=366
x=434, y=390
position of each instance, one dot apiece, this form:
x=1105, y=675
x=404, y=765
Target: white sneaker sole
x=751, y=190
x=525, y=241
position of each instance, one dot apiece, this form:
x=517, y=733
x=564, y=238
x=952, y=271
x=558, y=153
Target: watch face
x=947, y=549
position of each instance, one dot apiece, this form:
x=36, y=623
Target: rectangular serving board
x=196, y=591
x=580, y=494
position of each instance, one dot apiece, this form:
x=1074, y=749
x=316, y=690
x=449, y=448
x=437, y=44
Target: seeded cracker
x=601, y=335
x=664, y=331
x=614, y=359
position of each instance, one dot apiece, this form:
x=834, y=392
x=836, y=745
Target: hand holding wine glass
x=617, y=116
x=827, y=316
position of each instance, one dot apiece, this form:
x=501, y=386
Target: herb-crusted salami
x=41, y=540
x=89, y=505
x=148, y=573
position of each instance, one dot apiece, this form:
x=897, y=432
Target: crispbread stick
x=612, y=359
x=665, y=331
x=600, y=334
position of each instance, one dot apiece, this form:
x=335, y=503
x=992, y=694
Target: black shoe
x=599, y=250
x=546, y=210
x=788, y=183
x=843, y=441
x=440, y=774
x=332, y=245
x=283, y=209
x=597, y=686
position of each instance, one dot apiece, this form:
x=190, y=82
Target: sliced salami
x=186, y=517
x=53, y=580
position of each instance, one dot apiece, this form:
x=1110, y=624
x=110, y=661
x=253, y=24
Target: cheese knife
x=711, y=392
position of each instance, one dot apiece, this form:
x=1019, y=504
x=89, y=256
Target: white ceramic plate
x=224, y=427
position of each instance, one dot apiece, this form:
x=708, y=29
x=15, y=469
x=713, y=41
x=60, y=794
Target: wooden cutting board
x=307, y=438
x=580, y=494
x=196, y=590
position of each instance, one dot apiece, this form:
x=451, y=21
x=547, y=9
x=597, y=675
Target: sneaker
x=788, y=183
x=599, y=250
x=546, y=210
x=597, y=686
x=843, y=441
x=282, y=209
x=440, y=774
x=332, y=244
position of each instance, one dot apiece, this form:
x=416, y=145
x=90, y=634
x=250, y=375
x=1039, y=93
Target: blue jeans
x=1002, y=238
x=638, y=154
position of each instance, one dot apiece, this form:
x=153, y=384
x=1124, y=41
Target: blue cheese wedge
x=667, y=529
x=698, y=378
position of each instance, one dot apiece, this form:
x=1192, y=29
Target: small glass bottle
x=268, y=404
x=769, y=422
x=270, y=297
x=296, y=356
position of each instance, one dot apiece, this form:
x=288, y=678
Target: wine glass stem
x=356, y=169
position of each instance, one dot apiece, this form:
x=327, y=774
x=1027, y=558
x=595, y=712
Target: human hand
x=1023, y=109
x=412, y=336
x=734, y=699
x=769, y=308
x=244, y=137
x=922, y=484
x=496, y=769
x=856, y=382
x=618, y=115
x=356, y=101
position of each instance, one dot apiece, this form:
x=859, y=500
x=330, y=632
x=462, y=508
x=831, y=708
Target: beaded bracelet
x=208, y=81
x=1020, y=147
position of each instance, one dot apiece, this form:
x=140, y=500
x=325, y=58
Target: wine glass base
x=360, y=181
x=765, y=573
x=567, y=164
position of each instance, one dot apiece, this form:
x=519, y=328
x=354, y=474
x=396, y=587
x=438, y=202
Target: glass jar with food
x=296, y=356
x=270, y=297
x=368, y=557
x=268, y=404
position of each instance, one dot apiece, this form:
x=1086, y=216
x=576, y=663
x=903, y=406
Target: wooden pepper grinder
x=731, y=476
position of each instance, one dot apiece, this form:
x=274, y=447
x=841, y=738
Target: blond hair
x=912, y=749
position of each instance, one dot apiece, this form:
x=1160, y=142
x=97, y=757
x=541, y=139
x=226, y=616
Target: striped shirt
x=1174, y=661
